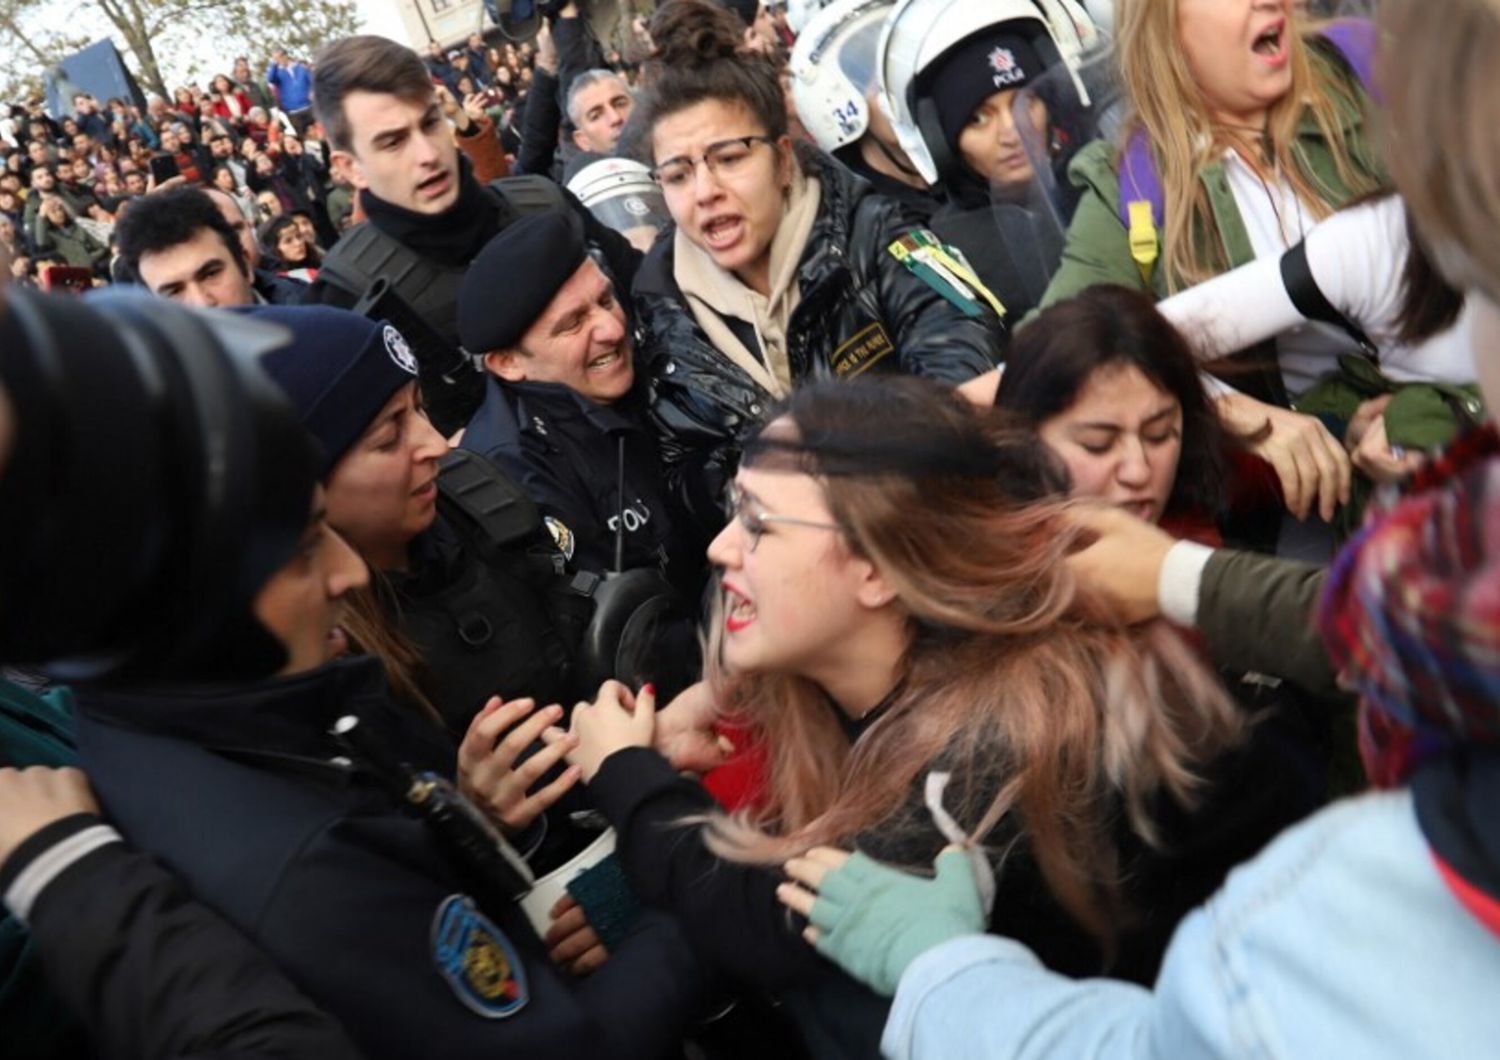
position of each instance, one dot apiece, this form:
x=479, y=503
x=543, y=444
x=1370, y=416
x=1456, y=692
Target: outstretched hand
x=492, y=771
x=873, y=920
x=617, y=719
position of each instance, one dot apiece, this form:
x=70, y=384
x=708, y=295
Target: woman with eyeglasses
x=783, y=268
x=899, y=629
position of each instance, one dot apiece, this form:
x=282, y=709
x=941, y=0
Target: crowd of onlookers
x=65, y=181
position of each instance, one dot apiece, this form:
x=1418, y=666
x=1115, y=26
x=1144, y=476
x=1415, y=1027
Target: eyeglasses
x=753, y=521
x=723, y=159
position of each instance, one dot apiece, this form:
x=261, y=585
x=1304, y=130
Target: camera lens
x=156, y=480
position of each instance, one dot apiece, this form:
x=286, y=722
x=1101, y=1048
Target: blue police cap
x=339, y=371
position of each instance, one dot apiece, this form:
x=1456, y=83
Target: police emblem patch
x=1007, y=70
x=561, y=536
x=479, y=962
x=395, y=345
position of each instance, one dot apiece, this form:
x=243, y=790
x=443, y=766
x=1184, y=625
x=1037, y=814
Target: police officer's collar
x=560, y=402
x=287, y=716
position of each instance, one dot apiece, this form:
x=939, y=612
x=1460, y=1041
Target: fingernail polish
x=648, y=689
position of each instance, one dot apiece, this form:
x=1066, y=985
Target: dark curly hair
x=699, y=57
x=1051, y=360
x=166, y=219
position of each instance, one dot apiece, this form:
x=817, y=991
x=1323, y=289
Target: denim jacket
x=1340, y=940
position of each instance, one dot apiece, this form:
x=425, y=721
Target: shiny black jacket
x=860, y=309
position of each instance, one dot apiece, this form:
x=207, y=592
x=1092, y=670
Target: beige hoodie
x=713, y=293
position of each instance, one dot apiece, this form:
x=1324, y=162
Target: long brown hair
x=372, y=623
x=1166, y=101
x=1052, y=717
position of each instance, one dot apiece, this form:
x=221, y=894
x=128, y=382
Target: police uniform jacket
x=482, y=625
x=861, y=309
x=564, y=450
x=149, y=971
x=241, y=794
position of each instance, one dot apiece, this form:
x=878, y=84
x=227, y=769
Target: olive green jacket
x=1098, y=246
x=1256, y=613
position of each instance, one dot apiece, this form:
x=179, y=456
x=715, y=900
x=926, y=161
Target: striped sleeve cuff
x=46, y=855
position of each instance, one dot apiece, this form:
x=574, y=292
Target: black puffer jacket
x=860, y=309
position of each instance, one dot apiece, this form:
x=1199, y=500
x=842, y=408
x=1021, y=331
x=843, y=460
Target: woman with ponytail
x=900, y=631
x=784, y=267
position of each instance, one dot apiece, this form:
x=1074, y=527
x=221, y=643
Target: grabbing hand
x=1313, y=468
x=1370, y=446
x=570, y=941
x=1123, y=566
x=873, y=920
x=613, y=722
x=36, y=797
x=490, y=771
x=685, y=733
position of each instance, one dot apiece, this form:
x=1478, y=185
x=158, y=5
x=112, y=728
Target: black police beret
x=510, y=282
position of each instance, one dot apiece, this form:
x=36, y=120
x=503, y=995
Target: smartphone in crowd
x=163, y=168
x=66, y=278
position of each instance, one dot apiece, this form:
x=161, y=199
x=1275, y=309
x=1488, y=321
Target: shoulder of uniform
x=528, y=193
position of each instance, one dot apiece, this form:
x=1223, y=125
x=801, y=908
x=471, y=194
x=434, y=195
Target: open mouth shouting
x=1271, y=44
x=723, y=233
x=739, y=612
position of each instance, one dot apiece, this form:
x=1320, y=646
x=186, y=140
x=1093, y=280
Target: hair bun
x=694, y=33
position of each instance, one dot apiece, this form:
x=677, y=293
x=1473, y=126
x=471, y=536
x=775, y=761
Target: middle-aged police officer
x=563, y=414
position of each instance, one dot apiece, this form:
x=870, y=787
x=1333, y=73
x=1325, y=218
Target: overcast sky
x=379, y=16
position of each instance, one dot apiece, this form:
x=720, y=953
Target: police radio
x=465, y=834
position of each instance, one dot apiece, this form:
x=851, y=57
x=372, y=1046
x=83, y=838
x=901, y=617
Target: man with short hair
x=43, y=183
x=562, y=411
x=293, y=82
x=86, y=114
x=180, y=247
x=221, y=152
x=40, y=153
x=427, y=215
x=599, y=104
x=253, y=87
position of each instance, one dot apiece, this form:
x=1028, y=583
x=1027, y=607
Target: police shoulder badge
x=562, y=537
x=396, y=346
x=479, y=962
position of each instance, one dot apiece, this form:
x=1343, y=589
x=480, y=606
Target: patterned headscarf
x=1411, y=614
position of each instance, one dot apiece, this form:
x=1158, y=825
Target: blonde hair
x=1443, y=131
x=1049, y=716
x=1167, y=103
